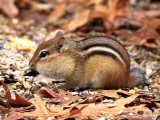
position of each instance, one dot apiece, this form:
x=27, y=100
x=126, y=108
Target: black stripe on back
x=98, y=36
x=102, y=53
x=104, y=45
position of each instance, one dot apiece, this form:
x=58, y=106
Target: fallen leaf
x=110, y=94
x=57, y=9
x=76, y=110
x=13, y=116
x=80, y=19
x=47, y=93
x=9, y=7
x=148, y=31
x=14, y=98
x=42, y=111
x=94, y=99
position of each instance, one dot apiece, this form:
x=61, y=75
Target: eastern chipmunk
x=95, y=62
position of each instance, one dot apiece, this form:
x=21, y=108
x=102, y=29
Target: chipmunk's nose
x=31, y=72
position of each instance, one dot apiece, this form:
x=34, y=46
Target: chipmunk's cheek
x=48, y=71
x=62, y=67
x=41, y=68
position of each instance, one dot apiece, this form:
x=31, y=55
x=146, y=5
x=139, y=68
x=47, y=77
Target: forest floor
x=25, y=96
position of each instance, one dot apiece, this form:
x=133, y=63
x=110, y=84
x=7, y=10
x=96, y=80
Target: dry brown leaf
x=56, y=109
x=4, y=104
x=137, y=15
x=66, y=97
x=44, y=112
x=47, y=93
x=13, y=116
x=76, y=110
x=41, y=110
x=63, y=98
x=9, y=8
x=58, y=12
x=113, y=13
x=97, y=109
x=64, y=93
x=109, y=11
x=14, y=98
x=94, y=99
x=80, y=19
x=148, y=31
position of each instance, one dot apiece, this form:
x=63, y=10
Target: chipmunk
x=97, y=62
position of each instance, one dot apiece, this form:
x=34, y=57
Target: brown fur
x=56, y=69
x=80, y=71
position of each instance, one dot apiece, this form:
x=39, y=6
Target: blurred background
x=136, y=20
x=135, y=23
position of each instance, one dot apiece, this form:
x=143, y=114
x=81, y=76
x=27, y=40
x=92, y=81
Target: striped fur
x=106, y=51
x=106, y=46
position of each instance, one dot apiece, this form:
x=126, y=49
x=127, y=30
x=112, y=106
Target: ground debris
x=27, y=95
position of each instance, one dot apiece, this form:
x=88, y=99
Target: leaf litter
x=28, y=97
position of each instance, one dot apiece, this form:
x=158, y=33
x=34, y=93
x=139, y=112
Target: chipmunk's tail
x=140, y=76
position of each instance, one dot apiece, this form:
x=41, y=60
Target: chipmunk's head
x=50, y=56
x=48, y=48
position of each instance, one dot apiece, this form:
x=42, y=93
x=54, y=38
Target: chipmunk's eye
x=44, y=54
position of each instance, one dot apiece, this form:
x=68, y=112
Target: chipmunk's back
x=104, y=46
x=107, y=62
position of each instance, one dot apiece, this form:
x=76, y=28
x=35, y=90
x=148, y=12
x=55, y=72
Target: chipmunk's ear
x=60, y=42
x=60, y=39
x=59, y=33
